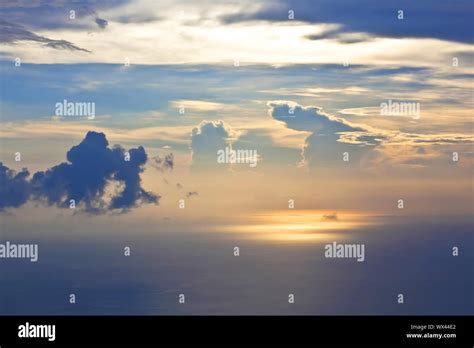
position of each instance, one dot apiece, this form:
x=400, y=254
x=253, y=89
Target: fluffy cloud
x=98, y=178
x=324, y=146
x=14, y=187
x=332, y=139
x=209, y=137
x=308, y=118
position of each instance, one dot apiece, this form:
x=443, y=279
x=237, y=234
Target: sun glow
x=299, y=226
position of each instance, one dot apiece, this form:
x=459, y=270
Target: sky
x=305, y=85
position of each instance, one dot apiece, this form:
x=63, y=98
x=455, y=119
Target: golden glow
x=298, y=226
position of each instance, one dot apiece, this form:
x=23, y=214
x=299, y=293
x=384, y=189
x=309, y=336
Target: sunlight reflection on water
x=298, y=226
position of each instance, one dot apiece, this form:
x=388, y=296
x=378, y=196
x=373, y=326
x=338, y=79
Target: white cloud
x=209, y=137
x=333, y=137
x=188, y=32
x=308, y=118
x=200, y=105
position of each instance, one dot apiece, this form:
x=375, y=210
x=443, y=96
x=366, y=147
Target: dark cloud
x=13, y=33
x=14, y=187
x=64, y=45
x=191, y=193
x=422, y=18
x=165, y=163
x=98, y=178
x=92, y=165
x=102, y=23
x=54, y=14
x=88, y=11
x=330, y=217
x=344, y=38
x=137, y=18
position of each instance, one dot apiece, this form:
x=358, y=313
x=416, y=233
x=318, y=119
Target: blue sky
x=159, y=72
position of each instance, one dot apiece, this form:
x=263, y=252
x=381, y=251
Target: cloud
x=12, y=33
x=199, y=105
x=324, y=146
x=421, y=18
x=200, y=29
x=192, y=26
x=308, y=118
x=317, y=92
x=365, y=138
x=209, y=137
x=417, y=162
x=328, y=151
x=48, y=130
x=102, y=23
x=54, y=14
x=98, y=178
x=14, y=187
x=165, y=163
x=343, y=38
x=335, y=142
x=330, y=217
x=89, y=11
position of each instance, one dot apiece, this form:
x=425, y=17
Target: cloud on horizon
x=98, y=178
x=332, y=138
x=14, y=187
x=308, y=118
x=323, y=147
x=209, y=137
